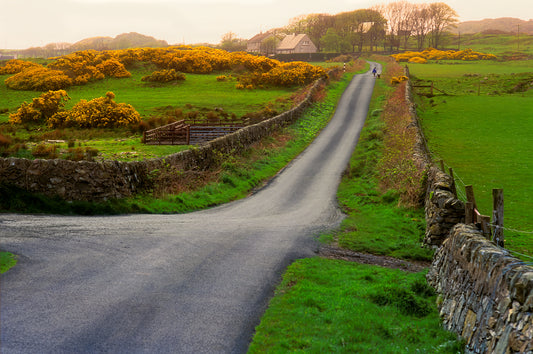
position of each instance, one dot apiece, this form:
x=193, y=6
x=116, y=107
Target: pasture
x=482, y=128
x=157, y=103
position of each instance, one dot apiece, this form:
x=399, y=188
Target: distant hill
x=122, y=41
x=495, y=25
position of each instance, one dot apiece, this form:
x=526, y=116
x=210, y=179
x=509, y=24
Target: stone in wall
x=443, y=209
x=485, y=294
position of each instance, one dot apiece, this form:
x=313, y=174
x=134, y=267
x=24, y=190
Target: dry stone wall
x=443, y=209
x=100, y=181
x=485, y=294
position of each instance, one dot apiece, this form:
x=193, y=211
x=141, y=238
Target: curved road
x=191, y=283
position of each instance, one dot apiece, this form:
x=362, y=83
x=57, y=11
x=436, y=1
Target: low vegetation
x=434, y=54
x=331, y=306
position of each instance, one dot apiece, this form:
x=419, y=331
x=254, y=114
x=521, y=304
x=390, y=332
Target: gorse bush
x=113, y=68
x=284, y=75
x=39, y=78
x=102, y=112
x=15, y=66
x=86, y=66
x=163, y=76
x=434, y=54
x=41, y=108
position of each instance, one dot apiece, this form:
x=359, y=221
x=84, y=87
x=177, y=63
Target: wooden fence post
x=497, y=216
x=470, y=195
x=442, y=166
x=453, y=187
x=485, y=225
x=469, y=213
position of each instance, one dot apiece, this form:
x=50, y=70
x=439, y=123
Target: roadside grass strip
x=331, y=306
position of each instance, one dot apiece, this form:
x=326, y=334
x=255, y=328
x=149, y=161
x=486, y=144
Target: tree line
x=389, y=25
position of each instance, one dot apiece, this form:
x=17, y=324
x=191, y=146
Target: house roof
x=259, y=37
x=291, y=41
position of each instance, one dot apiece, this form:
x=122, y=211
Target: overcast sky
x=26, y=23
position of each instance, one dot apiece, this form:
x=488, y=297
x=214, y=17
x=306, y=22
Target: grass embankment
x=485, y=138
x=325, y=305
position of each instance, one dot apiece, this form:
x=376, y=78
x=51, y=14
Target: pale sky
x=27, y=23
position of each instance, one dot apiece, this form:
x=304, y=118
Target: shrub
x=15, y=66
x=25, y=114
x=5, y=141
x=417, y=60
x=113, y=68
x=398, y=79
x=38, y=78
x=164, y=76
x=434, y=54
x=41, y=108
x=102, y=112
x=49, y=103
x=284, y=75
x=45, y=151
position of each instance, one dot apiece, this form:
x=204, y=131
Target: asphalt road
x=191, y=283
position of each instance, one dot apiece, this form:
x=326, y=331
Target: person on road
x=374, y=71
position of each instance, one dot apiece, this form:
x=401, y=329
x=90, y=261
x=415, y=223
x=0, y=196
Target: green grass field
x=498, y=44
x=485, y=138
x=199, y=93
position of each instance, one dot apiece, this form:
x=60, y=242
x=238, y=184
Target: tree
x=269, y=45
x=399, y=16
x=421, y=24
x=441, y=16
x=231, y=43
x=314, y=25
x=331, y=41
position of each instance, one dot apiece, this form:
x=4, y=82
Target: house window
x=306, y=43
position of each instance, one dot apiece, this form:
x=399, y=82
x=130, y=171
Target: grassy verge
x=330, y=306
x=485, y=137
x=325, y=305
x=7, y=261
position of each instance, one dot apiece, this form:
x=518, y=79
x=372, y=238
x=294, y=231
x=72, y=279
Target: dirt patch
x=335, y=252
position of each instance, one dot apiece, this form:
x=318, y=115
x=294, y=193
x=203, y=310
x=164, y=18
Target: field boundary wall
x=485, y=295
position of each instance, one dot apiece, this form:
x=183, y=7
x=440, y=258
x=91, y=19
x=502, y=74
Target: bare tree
x=441, y=16
x=398, y=15
x=421, y=24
